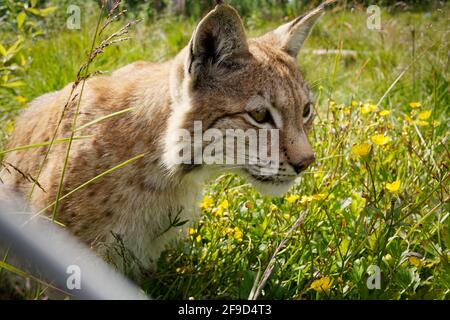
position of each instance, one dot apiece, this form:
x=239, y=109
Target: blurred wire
x=60, y=259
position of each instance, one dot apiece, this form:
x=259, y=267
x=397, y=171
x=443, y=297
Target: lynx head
x=223, y=81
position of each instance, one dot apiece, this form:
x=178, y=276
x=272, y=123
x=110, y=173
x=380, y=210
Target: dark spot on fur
x=143, y=186
x=108, y=213
x=82, y=161
x=101, y=99
x=99, y=152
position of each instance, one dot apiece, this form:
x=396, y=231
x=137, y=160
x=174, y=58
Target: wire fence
x=51, y=254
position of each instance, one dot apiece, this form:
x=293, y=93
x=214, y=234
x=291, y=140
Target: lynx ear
x=218, y=42
x=292, y=35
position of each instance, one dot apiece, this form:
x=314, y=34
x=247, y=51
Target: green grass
x=351, y=220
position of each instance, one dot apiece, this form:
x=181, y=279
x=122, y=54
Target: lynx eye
x=261, y=115
x=307, y=110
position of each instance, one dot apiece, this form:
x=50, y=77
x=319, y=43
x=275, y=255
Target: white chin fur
x=270, y=189
x=265, y=188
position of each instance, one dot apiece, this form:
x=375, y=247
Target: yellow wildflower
x=224, y=204
x=355, y=103
x=385, y=113
x=219, y=212
x=192, y=231
x=9, y=127
x=415, y=105
x=207, y=203
x=415, y=261
x=221, y=208
x=292, y=198
x=422, y=123
x=306, y=199
x=408, y=119
x=394, y=186
x=380, y=139
x=319, y=196
x=368, y=108
x=361, y=150
x=323, y=285
x=21, y=99
x=238, y=235
x=229, y=231
x=436, y=123
x=425, y=115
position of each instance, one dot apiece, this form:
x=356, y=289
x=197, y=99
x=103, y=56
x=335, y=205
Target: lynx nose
x=303, y=164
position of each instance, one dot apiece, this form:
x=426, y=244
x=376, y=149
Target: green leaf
x=20, y=19
x=41, y=12
x=23, y=274
x=34, y=11
x=14, y=84
x=13, y=49
x=10, y=268
x=2, y=50
x=33, y=3
x=48, y=10
x=180, y=224
x=23, y=61
x=246, y=284
x=37, y=33
x=343, y=248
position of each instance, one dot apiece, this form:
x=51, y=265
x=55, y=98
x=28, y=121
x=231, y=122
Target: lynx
x=221, y=79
